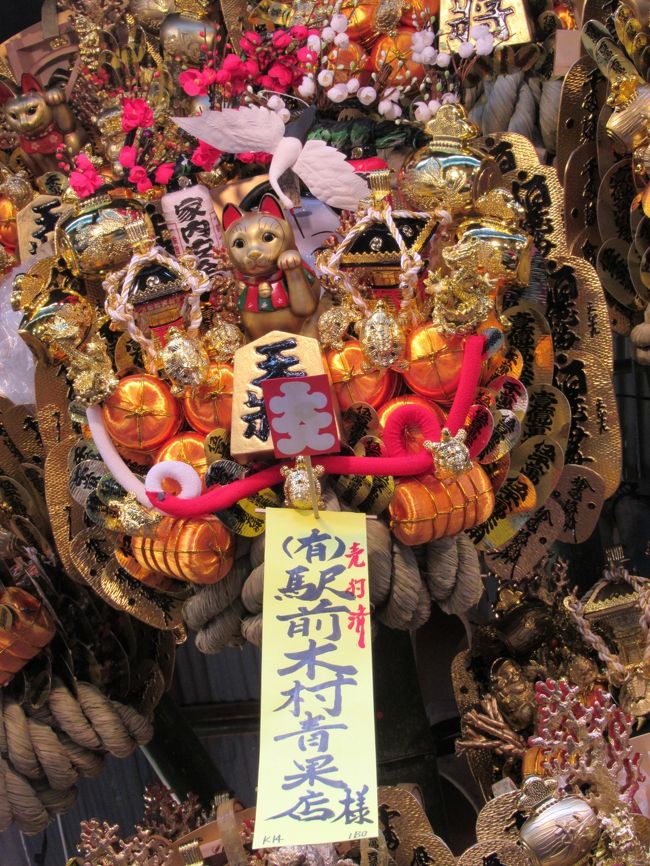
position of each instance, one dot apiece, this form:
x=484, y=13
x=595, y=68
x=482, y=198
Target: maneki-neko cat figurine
x=276, y=290
x=42, y=120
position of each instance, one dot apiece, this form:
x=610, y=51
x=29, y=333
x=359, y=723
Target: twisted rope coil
x=44, y=754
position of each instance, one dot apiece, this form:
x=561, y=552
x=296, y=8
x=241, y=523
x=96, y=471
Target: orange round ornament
x=418, y=13
x=362, y=20
x=187, y=448
x=353, y=383
x=136, y=460
x=434, y=363
x=412, y=437
x=8, y=228
x=141, y=413
x=396, y=51
x=194, y=550
x=426, y=508
x=348, y=62
x=210, y=406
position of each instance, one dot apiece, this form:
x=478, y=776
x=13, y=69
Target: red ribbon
x=405, y=464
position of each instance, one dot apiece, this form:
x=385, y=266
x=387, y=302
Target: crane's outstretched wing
x=329, y=177
x=234, y=130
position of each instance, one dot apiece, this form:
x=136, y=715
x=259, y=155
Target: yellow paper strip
x=318, y=775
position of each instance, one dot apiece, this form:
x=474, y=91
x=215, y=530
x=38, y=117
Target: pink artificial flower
x=84, y=164
x=164, y=173
x=84, y=184
x=195, y=82
x=191, y=80
x=281, y=75
x=252, y=69
x=138, y=175
x=232, y=63
x=249, y=42
x=281, y=39
x=259, y=156
x=209, y=76
x=222, y=76
x=136, y=114
x=128, y=156
x=306, y=55
x=299, y=32
x=205, y=156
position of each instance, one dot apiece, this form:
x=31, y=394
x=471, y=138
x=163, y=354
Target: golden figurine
x=43, y=121
x=451, y=455
x=297, y=487
x=276, y=290
x=514, y=693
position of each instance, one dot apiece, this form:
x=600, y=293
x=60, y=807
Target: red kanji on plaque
x=301, y=416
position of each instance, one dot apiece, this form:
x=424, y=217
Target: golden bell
x=449, y=172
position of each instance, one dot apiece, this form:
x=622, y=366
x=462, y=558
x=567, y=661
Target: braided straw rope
x=118, y=287
x=44, y=754
x=401, y=592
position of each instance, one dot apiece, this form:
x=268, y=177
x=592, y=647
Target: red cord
x=405, y=464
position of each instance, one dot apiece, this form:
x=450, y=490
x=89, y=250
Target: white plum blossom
x=421, y=39
x=429, y=56
x=313, y=43
x=433, y=105
x=337, y=93
x=353, y=85
x=339, y=23
x=366, y=95
x=327, y=34
x=342, y=40
x=449, y=98
x=275, y=103
x=307, y=87
x=484, y=45
x=465, y=50
x=443, y=59
x=284, y=114
x=389, y=109
x=422, y=112
x=478, y=31
x=326, y=78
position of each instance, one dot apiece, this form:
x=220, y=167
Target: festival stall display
x=319, y=320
